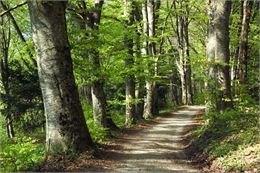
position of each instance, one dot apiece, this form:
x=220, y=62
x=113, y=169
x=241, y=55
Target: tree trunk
x=218, y=54
x=9, y=127
x=139, y=83
x=151, y=100
x=129, y=62
x=184, y=67
x=187, y=69
x=86, y=93
x=147, y=101
x=139, y=94
x=234, y=67
x=91, y=20
x=243, y=49
x=66, y=128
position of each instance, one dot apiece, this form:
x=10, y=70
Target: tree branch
x=10, y=9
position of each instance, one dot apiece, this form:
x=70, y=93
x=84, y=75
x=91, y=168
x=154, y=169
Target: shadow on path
x=159, y=147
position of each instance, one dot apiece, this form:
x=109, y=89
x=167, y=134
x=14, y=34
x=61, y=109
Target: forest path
x=160, y=147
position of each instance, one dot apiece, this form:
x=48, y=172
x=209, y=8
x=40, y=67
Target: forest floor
x=154, y=146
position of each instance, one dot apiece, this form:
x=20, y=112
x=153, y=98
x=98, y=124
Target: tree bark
x=183, y=64
x=147, y=100
x=187, y=69
x=66, y=128
x=218, y=54
x=151, y=100
x=129, y=62
x=139, y=82
x=9, y=127
x=243, y=48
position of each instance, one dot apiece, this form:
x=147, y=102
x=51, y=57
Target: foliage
x=20, y=154
x=98, y=134
x=224, y=134
x=244, y=158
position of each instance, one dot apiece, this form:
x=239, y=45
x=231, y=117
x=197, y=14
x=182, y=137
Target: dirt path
x=158, y=148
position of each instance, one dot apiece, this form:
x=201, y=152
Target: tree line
x=134, y=56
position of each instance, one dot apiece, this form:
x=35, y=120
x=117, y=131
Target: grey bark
x=187, y=67
x=151, y=100
x=218, y=54
x=129, y=62
x=183, y=64
x=139, y=94
x=66, y=128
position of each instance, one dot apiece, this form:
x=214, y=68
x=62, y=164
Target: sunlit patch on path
x=160, y=148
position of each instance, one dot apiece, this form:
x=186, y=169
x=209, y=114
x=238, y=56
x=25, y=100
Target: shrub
x=21, y=154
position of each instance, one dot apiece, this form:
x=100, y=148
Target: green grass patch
x=222, y=135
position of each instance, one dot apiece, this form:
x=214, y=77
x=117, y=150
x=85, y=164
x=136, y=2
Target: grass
x=227, y=138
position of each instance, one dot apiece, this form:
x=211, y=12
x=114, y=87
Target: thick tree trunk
x=243, y=49
x=218, y=54
x=66, y=128
x=99, y=104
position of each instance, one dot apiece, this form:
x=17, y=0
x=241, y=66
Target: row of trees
x=153, y=52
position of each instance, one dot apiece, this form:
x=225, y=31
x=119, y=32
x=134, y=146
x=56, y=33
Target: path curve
x=159, y=148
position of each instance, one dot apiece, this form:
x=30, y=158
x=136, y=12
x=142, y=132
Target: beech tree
x=89, y=20
x=218, y=54
x=149, y=19
x=243, y=48
x=129, y=62
x=66, y=128
x=183, y=64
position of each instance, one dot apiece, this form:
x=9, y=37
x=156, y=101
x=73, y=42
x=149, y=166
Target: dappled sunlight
x=160, y=146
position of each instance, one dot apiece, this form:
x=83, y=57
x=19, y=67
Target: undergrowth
x=20, y=154
x=224, y=138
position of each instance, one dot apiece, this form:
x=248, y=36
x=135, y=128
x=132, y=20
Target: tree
x=66, y=128
x=182, y=32
x=5, y=36
x=91, y=22
x=129, y=62
x=149, y=17
x=218, y=54
x=139, y=81
x=243, y=48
